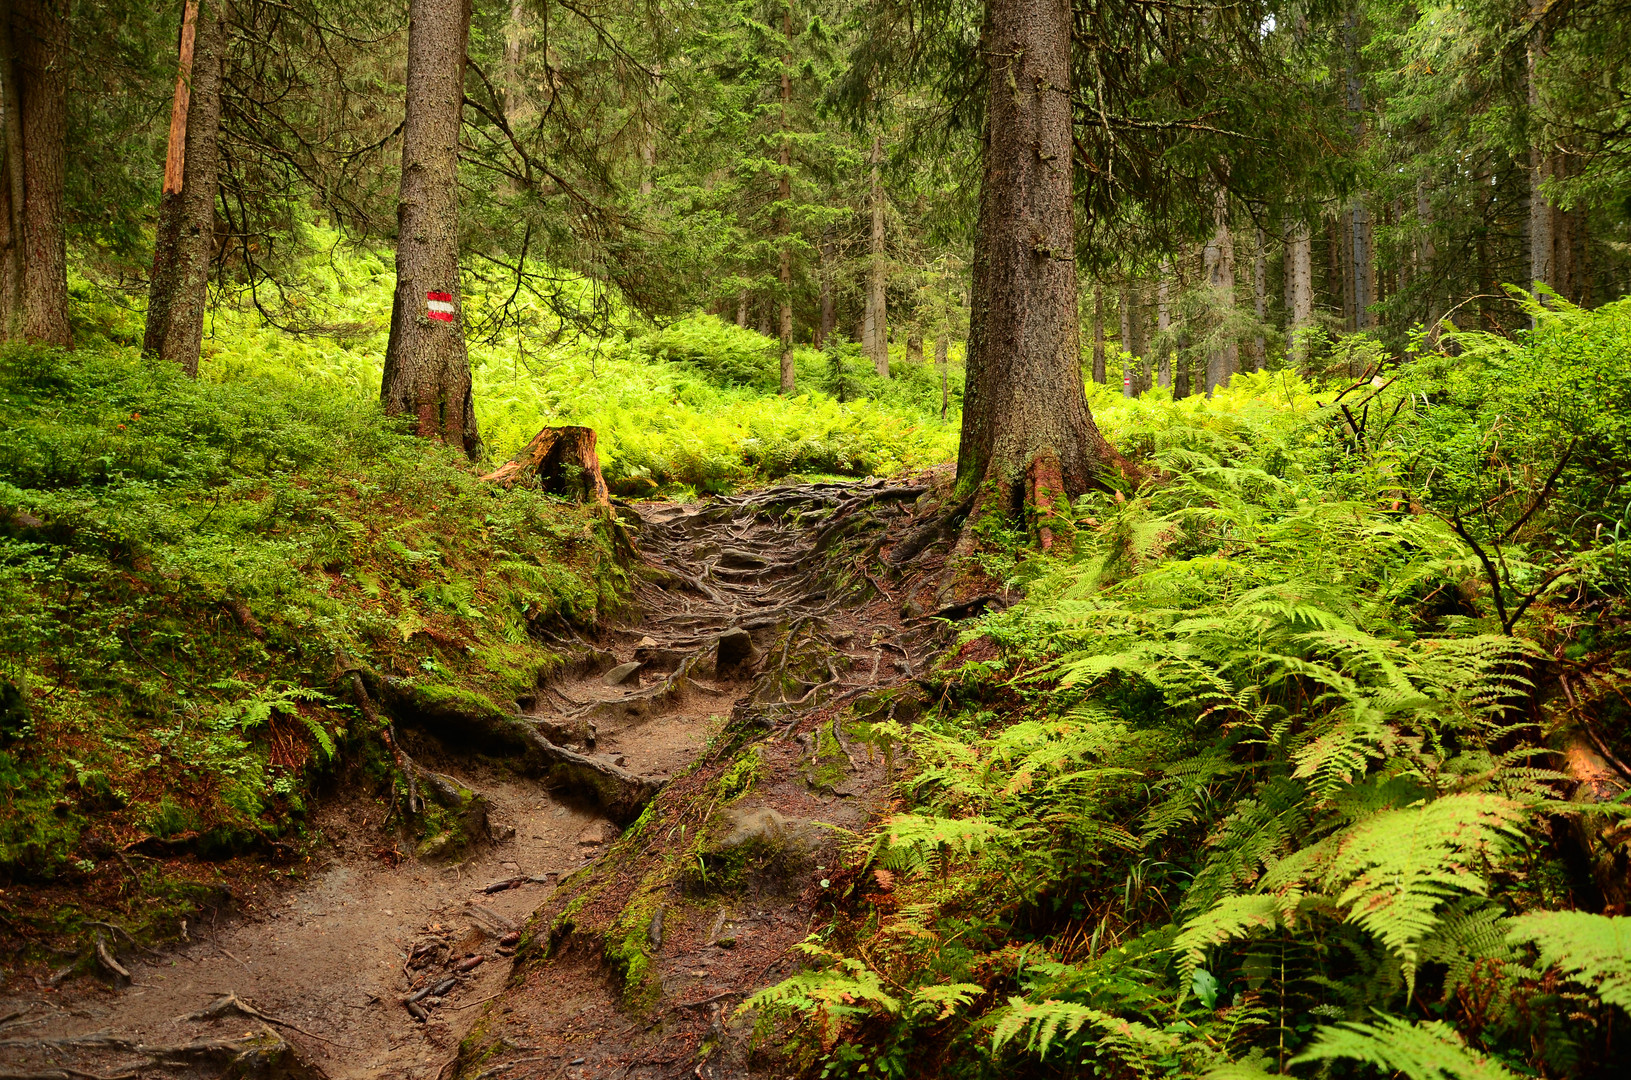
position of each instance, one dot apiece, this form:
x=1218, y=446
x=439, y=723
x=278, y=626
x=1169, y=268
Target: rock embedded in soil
x=622, y=673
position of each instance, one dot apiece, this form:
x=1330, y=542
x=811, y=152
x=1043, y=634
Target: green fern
x=1431, y=1051
x=1591, y=949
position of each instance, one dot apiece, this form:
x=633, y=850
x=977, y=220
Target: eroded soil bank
x=759, y=695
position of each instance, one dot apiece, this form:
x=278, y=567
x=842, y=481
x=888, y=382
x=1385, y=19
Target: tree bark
x=559, y=460
x=1223, y=357
x=11, y=190
x=185, y=237
x=1300, y=271
x=784, y=192
x=1260, y=299
x=39, y=35
x=1426, y=254
x=942, y=364
x=1542, y=247
x=1099, y=373
x=1129, y=376
x=427, y=370
x=742, y=309
x=1024, y=409
x=829, y=307
x=1163, y=326
x=877, y=302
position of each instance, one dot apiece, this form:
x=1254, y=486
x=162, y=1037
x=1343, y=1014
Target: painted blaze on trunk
x=1024, y=411
x=427, y=370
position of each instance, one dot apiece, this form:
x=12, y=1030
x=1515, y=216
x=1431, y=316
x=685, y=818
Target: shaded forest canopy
x=1282, y=350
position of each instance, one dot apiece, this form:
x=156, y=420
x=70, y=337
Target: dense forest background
x=1303, y=752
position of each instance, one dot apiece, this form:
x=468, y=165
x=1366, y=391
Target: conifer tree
x=427, y=368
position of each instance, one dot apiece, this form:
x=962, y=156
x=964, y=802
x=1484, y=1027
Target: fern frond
x=1430, y=1051
x=1050, y=1020
x=1230, y=918
x=913, y=843
x=1592, y=949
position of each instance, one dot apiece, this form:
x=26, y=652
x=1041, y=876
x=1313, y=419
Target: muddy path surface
x=619, y=895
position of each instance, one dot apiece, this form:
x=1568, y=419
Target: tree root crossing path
x=626, y=856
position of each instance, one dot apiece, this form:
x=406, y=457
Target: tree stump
x=560, y=460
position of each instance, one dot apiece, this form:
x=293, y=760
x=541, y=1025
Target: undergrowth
x=679, y=409
x=188, y=572
x=1297, y=763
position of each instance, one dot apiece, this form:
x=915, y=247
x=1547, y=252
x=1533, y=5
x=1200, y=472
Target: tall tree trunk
x=1426, y=254
x=829, y=307
x=1099, y=374
x=1163, y=326
x=877, y=301
x=427, y=370
x=1359, y=224
x=942, y=364
x=11, y=190
x=1260, y=299
x=1024, y=410
x=1542, y=249
x=1223, y=356
x=185, y=237
x=742, y=309
x=1300, y=271
x=1129, y=370
x=39, y=34
x=784, y=192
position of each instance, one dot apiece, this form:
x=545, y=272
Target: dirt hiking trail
x=640, y=846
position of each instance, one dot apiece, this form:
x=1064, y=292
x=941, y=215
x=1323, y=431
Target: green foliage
x=1264, y=757
x=188, y=568
x=1416, y=1051
x=1594, y=949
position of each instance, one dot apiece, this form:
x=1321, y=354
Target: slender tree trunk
x=1301, y=271
x=1163, y=326
x=1099, y=373
x=40, y=37
x=829, y=307
x=877, y=299
x=1542, y=248
x=742, y=309
x=1260, y=300
x=784, y=192
x=1426, y=256
x=1223, y=357
x=185, y=238
x=11, y=190
x=427, y=370
x=1024, y=410
x=942, y=364
x=1359, y=240
x=1129, y=375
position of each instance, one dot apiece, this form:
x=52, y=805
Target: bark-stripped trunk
x=427, y=370
x=1099, y=374
x=1300, y=274
x=829, y=306
x=1426, y=254
x=942, y=364
x=39, y=37
x=11, y=191
x=185, y=237
x=877, y=303
x=1024, y=410
x=1542, y=249
x=1223, y=357
x=1129, y=372
x=1163, y=327
x=1260, y=299
x=784, y=192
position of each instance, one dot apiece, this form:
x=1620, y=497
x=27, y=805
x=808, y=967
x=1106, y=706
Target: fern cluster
x=1267, y=785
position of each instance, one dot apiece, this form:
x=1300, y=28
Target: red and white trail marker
x=439, y=305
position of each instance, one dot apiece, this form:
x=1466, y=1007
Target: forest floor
x=772, y=665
